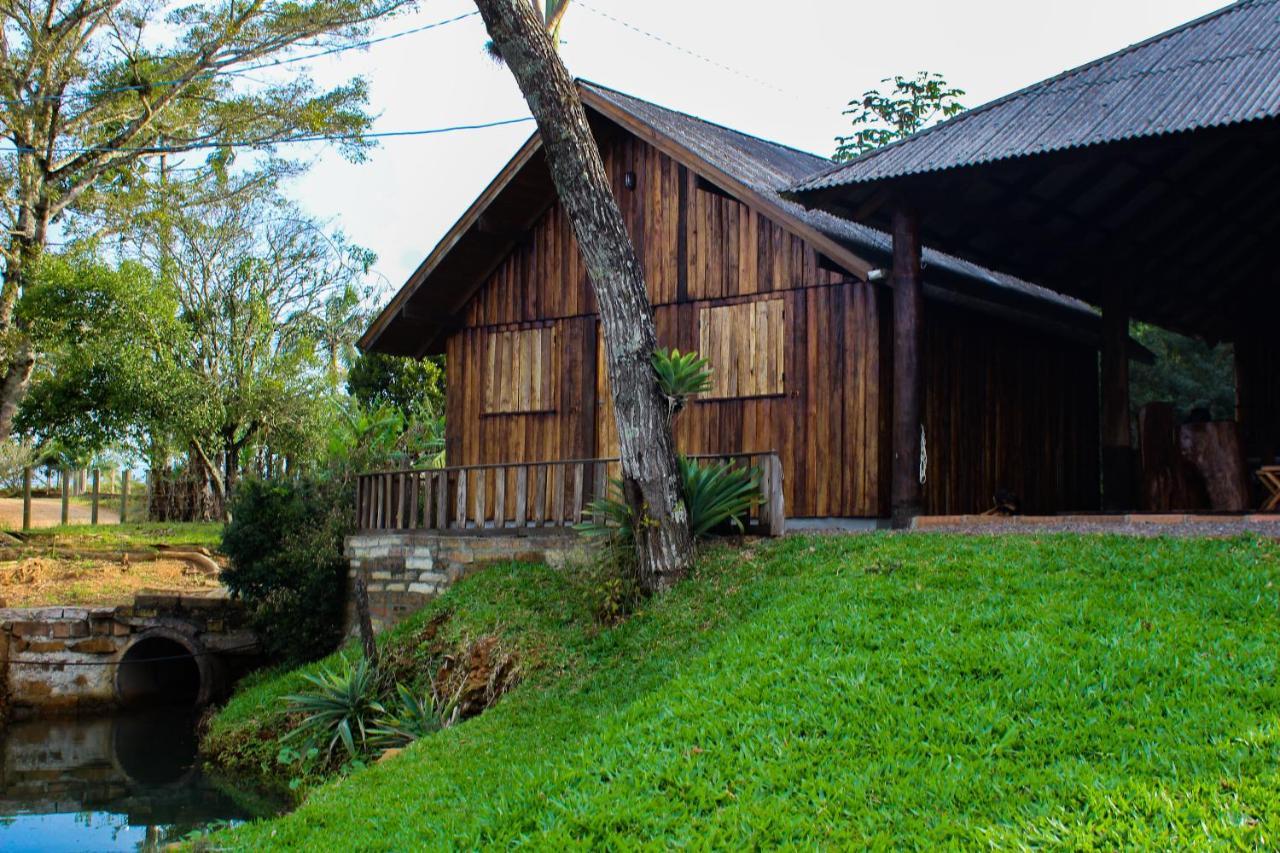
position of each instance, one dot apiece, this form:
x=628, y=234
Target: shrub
x=339, y=709
x=285, y=545
x=410, y=716
x=716, y=494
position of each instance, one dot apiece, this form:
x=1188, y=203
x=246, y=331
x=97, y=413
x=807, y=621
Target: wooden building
x=1145, y=182
x=791, y=307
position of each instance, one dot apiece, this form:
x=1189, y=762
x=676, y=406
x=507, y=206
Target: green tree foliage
x=285, y=544
x=1187, y=372
x=108, y=339
x=408, y=384
x=91, y=92
x=910, y=104
x=265, y=294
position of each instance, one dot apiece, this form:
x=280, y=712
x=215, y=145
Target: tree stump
x=1214, y=449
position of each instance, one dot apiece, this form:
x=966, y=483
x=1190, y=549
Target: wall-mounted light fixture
x=629, y=180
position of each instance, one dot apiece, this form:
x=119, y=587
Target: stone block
x=95, y=646
x=423, y=588
x=41, y=646
x=419, y=562
x=380, y=576
x=62, y=630
x=32, y=629
x=121, y=630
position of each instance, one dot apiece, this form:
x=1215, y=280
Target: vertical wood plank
x=499, y=497
x=402, y=499
x=481, y=509
x=557, y=495
x=539, y=494
x=577, y=493
x=522, y=494
x=414, y=507
x=442, y=500
x=460, y=514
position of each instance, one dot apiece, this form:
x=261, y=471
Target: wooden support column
x=908, y=380
x=1117, y=446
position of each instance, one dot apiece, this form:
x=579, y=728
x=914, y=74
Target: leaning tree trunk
x=650, y=476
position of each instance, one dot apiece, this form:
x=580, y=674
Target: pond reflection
x=111, y=783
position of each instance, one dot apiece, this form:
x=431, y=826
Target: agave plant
x=339, y=709
x=715, y=493
x=411, y=717
x=680, y=376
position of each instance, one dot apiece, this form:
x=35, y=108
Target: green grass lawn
x=126, y=536
x=1092, y=692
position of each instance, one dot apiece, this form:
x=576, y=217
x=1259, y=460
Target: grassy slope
x=918, y=690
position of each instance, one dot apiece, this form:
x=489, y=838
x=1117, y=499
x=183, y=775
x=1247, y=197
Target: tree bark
x=650, y=475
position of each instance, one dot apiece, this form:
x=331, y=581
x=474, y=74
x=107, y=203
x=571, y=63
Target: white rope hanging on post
x=924, y=456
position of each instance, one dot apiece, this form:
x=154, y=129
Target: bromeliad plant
x=680, y=376
x=340, y=709
x=715, y=493
x=412, y=716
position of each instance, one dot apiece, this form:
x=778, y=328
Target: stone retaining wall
x=406, y=569
x=64, y=659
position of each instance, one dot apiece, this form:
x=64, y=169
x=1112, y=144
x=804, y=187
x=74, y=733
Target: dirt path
x=47, y=512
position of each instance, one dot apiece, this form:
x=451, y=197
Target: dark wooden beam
x=1117, y=448
x=908, y=378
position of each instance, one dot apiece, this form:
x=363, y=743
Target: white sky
x=795, y=64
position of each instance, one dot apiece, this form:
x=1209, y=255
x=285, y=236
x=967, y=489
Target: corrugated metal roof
x=770, y=167
x=1218, y=70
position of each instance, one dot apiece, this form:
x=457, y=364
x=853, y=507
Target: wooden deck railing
x=509, y=497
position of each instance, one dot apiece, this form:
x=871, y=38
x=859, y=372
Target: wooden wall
x=701, y=248
x=1011, y=408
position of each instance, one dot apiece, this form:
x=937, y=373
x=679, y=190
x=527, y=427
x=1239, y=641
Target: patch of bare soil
x=471, y=675
x=34, y=581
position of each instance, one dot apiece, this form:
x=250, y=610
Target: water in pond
x=130, y=782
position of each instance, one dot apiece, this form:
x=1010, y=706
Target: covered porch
x=1145, y=183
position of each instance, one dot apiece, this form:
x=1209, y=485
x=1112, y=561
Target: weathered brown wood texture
x=1009, y=408
x=825, y=412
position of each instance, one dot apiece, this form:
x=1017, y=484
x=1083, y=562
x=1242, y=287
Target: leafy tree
x=107, y=337
x=92, y=90
x=410, y=385
x=913, y=103
x=650, y=474
x=256, y=281
x=1187, y=372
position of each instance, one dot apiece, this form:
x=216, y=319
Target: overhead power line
x=702, y=57
x=263, y=143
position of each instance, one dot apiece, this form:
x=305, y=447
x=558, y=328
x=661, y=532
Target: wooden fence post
x=93, y=512
x=777, y=506
x=26, y=498
x=124, y=495
x=66, y=496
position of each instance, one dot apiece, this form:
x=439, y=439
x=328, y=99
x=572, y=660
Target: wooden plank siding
x=1007, y=408
x=829, y=423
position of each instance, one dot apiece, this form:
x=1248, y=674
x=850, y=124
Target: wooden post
x=124, y=495
x=66, y=496
x=777, y=507
x=26, y=498
x=1117, y=448
x=365, y=620
x=908, y=382
x=93, y=512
